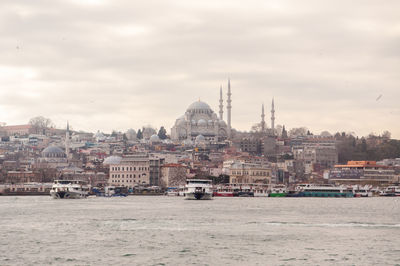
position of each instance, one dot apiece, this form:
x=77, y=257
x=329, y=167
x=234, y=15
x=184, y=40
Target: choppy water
x=224, y=231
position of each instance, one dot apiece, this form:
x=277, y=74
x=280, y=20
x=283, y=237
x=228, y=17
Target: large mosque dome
x=199, y=105
x=199, y=120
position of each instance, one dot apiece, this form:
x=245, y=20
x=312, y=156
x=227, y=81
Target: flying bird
x=380, y=96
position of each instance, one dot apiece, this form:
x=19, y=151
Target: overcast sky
x=107, y=64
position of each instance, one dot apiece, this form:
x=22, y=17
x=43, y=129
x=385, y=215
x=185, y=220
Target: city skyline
x=329, y=66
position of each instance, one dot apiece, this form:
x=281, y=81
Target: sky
x=113, y=65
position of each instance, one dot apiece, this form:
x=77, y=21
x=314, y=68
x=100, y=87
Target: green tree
x=162, y=133
x=139, y=134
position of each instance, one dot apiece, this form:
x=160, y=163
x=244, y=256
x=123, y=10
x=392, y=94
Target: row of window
x=115, y=168
x=126, y=181
x=257, y=173
x=127, y=175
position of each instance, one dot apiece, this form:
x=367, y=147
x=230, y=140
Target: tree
x=386, y=135
x=139, y=134
x=284, y=132
x=162, y=133
x=300, y=131
x=40, y=124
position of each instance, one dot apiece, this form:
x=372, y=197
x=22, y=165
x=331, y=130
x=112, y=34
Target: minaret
x=262, y=119
x=67, y=141
x=229, y=107
x=273, y=117
x=221, y=106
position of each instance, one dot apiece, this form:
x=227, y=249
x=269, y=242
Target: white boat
x=391, y=191
x=364, y=191
x=198, y=189
x=69, y=189
x=172, y=191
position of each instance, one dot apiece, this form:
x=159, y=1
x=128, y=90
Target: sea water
x=159, y=230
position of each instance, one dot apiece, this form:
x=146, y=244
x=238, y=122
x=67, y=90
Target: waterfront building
x=173, y=175
x=248, y=173
x=129, y=170
x=362, y=172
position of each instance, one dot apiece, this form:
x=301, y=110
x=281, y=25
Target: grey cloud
x=323, y=61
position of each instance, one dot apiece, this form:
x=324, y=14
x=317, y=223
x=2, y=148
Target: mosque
x=201, y=123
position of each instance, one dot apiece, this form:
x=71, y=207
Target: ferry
x=362, y=191
x=391, y=191
x=278, y=191
x=241, y=190
x=69, y=189
x=314, y=190
x=198, y=189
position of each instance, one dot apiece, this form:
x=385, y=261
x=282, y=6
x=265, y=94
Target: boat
x=323, y=190
x=391, y=191
x=199, y=189
x=112, y=191
x=278, y=191
x=69, y=189
x=172, y=191
x=362, y=191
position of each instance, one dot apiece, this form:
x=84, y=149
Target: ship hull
x=198, y=196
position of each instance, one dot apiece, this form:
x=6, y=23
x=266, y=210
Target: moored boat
x=314, y=190
x=391, y=191
x=278, y=191
x=198, y=189
x=69, y=189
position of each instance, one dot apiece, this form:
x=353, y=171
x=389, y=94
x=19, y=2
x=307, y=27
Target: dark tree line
x=372, y=147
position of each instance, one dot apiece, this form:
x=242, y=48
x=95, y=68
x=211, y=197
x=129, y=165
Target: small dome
x=222, y=123
x=155, y=138
x=210, y=122
x=112, y=160
x=200, y=138
x=199, y=105
x=181, y=121
x=193, y=122
x=53, y=151
x=202, y=122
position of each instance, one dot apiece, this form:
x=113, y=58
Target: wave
x=351, y=224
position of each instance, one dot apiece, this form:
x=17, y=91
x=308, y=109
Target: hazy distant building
x=200, y=119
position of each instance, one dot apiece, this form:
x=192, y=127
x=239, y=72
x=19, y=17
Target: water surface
x=225, y=231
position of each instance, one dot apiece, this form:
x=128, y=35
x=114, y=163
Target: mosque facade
x=200, y=122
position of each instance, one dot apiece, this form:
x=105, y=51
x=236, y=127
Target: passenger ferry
x=314, y=190
x=69, y=189
x=362, y=191
x=198, y=189
x=278, y=191
x=391, y=191
x=241, y=190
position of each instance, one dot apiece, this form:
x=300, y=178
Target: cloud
x=122, y=64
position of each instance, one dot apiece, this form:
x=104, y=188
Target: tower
x=229, y=107
x=262, y=119
x=221, y=106
x=67, y=141
x=273, y=117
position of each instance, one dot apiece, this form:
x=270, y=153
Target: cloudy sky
x=107, y=64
